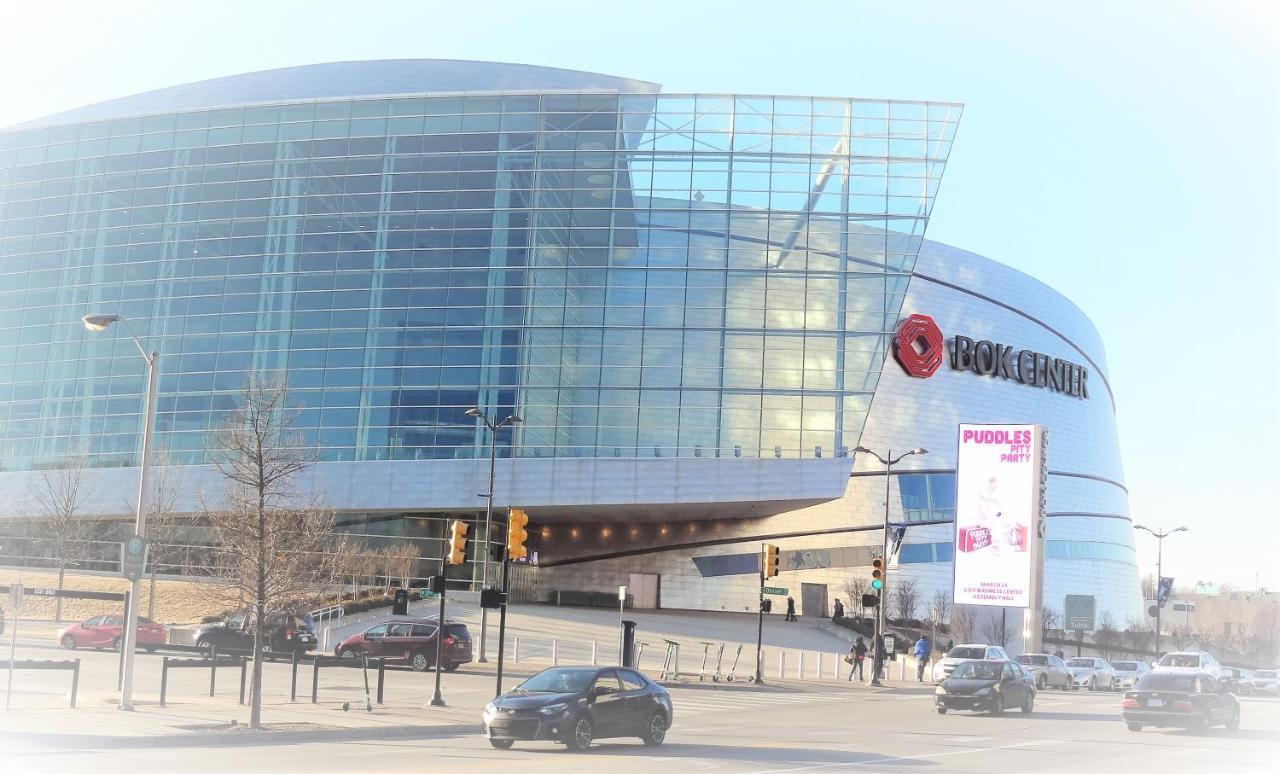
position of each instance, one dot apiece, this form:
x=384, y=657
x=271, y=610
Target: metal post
x=877, y=662
x=382, y=677
x=502, y=626
x=555, y=652
x=244, y=664
x=129, y=643
x=315, y=678
x=1159, y=573
x=515, y=650
x=760, y=623
x=75, y=682
x=595, y=661
x=164, y=677
x=488, y=526
x=293, y=679
x=437, y=700
x=128, y=601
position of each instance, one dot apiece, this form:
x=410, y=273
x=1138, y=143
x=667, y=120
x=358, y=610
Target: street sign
x=1078, y=611
x=622, y=593
x=889, y=643
x=133, y=558
x=775, y=590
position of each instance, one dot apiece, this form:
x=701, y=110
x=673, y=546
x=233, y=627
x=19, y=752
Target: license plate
x=1155, y=702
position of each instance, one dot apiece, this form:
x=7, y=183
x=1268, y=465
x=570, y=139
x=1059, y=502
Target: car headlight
x=940, y=691
x=490, y=710
x=553, y=709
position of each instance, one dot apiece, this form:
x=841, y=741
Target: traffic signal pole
x=502, y=626
x=437, y=700
x=760, y=621
x=877, y=663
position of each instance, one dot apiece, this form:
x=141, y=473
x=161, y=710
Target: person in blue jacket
x=921, y=652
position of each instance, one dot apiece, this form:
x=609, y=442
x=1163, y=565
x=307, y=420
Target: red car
x=105, y=631
x=413, y=641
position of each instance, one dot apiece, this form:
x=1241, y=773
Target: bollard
x=382, y=663
x=902, y=668
x=315, y=679
x=515, y=649
x=324, y=639
x=213, y=670
x=593, y=653
x=800, y=666
x=293, y=679
x=75, y=683
x=782, y=664
x=164, y=678
x=244, y=663
x=555, y=653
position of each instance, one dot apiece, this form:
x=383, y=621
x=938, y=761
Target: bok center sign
x=999, y=515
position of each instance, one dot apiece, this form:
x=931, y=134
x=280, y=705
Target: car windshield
x=977, y=670
x=1080, y=662
x=1033, y=660
x=1267, y=673
x=1180, y=660
x=1155, y=681
x=1126, y=666
x=457, y=630
x=963, y=652
x=558, y=681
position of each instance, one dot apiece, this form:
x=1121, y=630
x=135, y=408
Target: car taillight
x=288, y=633
x=450, y=640
x=1182, y=706
x=1129, y=703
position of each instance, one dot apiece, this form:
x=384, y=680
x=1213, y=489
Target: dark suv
x=286, y=632
x=411, y=640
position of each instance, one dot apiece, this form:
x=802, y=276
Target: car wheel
x=1134, y=726
x=1042, y=682
x=1234, y=723
x=656, y=731
x=1029, y=704
x=68, y=642
x=1093, y=683
x=579, y=737
x=502, y=744
x=350, y=653
x=448, y=667
x=997, y=707
x=942, y=710
x=115, y=644
x=419, y=662
x=149, y=648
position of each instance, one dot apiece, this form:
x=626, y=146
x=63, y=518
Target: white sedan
x=1092, y=673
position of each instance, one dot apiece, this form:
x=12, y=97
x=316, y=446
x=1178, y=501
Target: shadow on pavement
x=782, y=754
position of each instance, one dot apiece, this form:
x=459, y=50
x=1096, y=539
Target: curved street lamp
x=888, y=461
x=99, y=323
x=509, y=421
x=1159, y=536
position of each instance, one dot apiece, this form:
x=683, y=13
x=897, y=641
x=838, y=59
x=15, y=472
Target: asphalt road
x=777, y=731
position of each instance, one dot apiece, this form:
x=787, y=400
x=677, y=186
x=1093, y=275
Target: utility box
x=628, y=643
x=400, y=604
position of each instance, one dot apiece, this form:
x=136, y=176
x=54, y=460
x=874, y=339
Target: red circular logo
x=918, y=345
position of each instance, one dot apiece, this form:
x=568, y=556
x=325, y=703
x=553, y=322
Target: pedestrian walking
x=950, y=644
x=921, y=652
x=791, y=609
x=859, y=654
x=881, y=656
x=839, y=613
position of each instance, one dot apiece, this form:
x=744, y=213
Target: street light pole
x=1160, y=536
x=877, y=642
x=476, y=413
x=128, y=644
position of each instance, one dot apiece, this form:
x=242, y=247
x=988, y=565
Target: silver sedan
x=1047, y=670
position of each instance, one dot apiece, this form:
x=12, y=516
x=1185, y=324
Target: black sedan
x=987, y=686
x=1180, y=700
x=576, y=705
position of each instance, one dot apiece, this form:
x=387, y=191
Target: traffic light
x=457, y=542
x=877, y=573
x=516, y=534
x=770, y=560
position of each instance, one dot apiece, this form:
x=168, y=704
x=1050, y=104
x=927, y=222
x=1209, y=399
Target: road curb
x=245, y=738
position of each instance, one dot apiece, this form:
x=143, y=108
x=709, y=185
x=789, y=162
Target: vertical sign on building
x=1000, y=486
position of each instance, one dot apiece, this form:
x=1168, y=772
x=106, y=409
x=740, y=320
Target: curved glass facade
x=635, y=275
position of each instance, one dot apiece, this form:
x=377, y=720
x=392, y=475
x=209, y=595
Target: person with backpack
x=921, y=652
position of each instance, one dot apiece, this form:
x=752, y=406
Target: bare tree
x=1148, y=587
x=996, y=629
x=855, y=587
x=940, y=607
x=163, y=525
x=1050, y=620
x=271, y=547
x=1266, y=632
x=399, y=560
x=962, y=623
x=906, y=597
x=60, y=498
x=1106, y=636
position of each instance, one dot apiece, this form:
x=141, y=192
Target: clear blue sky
x=1124, y=153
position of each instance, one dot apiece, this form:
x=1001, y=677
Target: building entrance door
x=813, y=599
x=643, y=588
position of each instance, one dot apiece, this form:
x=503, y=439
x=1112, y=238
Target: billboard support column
x=1033, y=618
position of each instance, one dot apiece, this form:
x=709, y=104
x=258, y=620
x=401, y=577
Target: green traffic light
x=877, y=584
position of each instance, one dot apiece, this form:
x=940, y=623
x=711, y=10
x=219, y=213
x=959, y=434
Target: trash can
x=628, y=643
x=400, y=605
